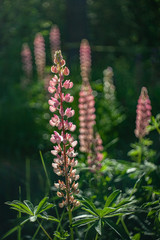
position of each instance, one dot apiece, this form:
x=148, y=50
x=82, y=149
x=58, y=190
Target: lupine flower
x=143, y=113
x=64, y=152
x=86, y=100
x=26, y=60
x=54, y=40
x=40, y=55
x=95, y=158
x=85, y=60
x=109, y=88
x=87, y=118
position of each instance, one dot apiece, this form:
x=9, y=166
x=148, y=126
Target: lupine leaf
x=19, y=207
x=89, y=227
x=20, y=210
x=46, y=207
x=29, y=205
x=111, y=197
x=48, y=217
x=84, y=222
x=106, y=211
x=83, y=216
x=90, y=205
x=41, y=205
x=99, y=227
x=114, y=227
x=88, y=210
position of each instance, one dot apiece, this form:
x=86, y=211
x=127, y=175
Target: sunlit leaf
x=40, y=206
x=99, y=227
x=111, y=197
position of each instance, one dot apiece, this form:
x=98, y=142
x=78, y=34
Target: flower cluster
x=54, y=40
x=26, y=60
x=87, y=118
x=109, y=88
x=86, y=100
x=143, y=114
x=94, y=159
x=63, y=151
x=85, y=60
x=40, y=55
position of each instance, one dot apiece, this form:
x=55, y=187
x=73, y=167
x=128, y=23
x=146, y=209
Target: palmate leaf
x=111, y=198
x=40, y=206
x=19, y=206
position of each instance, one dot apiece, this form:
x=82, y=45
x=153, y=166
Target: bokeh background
x=122, y=34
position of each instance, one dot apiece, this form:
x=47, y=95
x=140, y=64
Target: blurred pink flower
x=54, y=40
x=40, y=55
x=85, y=60
x=26, y=60
x=95, y=158
x=143, y=113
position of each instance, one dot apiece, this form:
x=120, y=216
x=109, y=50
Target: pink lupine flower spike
x=143, y=114
x=63, y=152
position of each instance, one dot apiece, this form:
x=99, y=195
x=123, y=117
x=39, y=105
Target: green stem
x=19, y=216
x=36, y=232
x=158, y=130
x=45, y=170
x=140, y=153
x=125, y=227
x=96, y=236
x=59, y=224
x=44, y=230
x=48, y=181
x=70, y=222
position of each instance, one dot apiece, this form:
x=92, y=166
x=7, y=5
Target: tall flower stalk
x=40, y=55
x=96, y=157
x=87, y=117
x=109, y=88
x=55, y=41
x=26, y=60
x=86, y=100
x=143, y=114
x=63, y=151
x=85, y=60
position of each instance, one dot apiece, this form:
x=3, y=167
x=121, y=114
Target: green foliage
x=62, y=236
x=140, y=151
x=99, y=218
x=154, y=124
x=33, y=213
